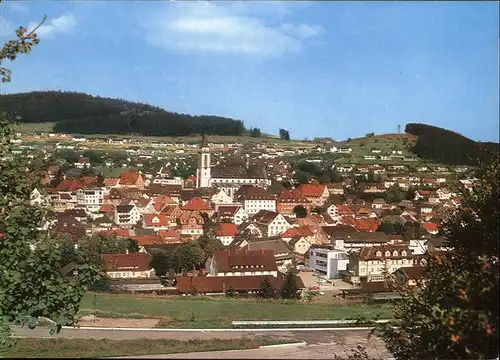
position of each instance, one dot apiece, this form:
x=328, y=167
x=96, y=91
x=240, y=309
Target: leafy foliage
x=454, y=313
x=300, y=211
x=31, y=283
x=284, y=134
x=267, y=291
x=448, y=147
x=290, y=289
x=80, y=113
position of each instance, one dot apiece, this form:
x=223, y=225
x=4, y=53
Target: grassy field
x=73, y=348
x=219, y=312
x=35, y=127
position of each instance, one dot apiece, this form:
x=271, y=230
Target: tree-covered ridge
x=446, y=146
x=80, y=113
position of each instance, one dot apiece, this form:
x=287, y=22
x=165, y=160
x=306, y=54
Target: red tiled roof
x=431, y=226
x=126, y=262
x=105, y=208
x=226, y=230
x=110, y=181
x=129, y=177
x=170, y=236
x=68, y=185
x=361, y=224
x=292, y=196
x=153, y=220
x=312, y=190
x=235, y=260
x=298, y=231
x=88, y=179
x=196, y=204
x=218, y=284
x=116, y=232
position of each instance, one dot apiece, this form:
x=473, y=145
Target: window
x=403, y=253
x=394, y=253
x=387, y=253
x=379, y=253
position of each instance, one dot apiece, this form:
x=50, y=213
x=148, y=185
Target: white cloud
x=230, y=29
x=17, y=7
x=60, y=25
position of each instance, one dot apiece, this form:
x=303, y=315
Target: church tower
x=203, y=173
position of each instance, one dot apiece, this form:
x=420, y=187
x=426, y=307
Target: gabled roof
x=298, y=231
x=110, y=181
x=153, y=220
x=312, y=190
x=370, y=253
x=265, y=216
x=68, y=185
x=236, y=260
x=129, y=177
x=224, y=229
x=124, y=262
x=253, y=193
x=413, y=272
x=219, y=284
x=227, y=210
x=275, y=245
x=124, y=209
x=429, y=226
x=196, y=204
x=292, y=196
x=105, y=208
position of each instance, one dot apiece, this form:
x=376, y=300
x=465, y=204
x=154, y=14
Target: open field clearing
x=219, y=312
x=93, y=348
x=34, y=127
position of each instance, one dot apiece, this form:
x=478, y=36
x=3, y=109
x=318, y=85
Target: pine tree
x=267, y=291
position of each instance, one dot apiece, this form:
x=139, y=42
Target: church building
x=229, y=176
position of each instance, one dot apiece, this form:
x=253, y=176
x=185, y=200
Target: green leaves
x=31, y=283
x=454, y=314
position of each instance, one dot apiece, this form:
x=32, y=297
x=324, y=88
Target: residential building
x=127, y=215
x=124, y=266
x=271, y=223
x=372, y=263
x=226, y=233
x=232, y=213
x=242, y=263
x=255, y=199
x=328, y=262
x=316, y=193
x=90, y=198
x=288, y=200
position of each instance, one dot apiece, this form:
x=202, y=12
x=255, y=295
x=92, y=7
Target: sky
x=318, y=69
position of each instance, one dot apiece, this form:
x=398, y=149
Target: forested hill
x=448, y=147
x=81, y=113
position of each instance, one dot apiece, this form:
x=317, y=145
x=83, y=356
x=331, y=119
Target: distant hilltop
x=80, y=113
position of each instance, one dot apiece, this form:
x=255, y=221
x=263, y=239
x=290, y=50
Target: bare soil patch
x=120, y=323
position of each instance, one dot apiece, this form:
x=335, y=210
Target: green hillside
x=448, y=147
x=80, y=113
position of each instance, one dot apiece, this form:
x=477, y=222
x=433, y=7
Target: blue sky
x=338, y=69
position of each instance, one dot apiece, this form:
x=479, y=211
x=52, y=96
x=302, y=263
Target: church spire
x=204, y=141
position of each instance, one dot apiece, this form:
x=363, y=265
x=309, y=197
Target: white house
x=127, y=215
x=221, y=197
x=90, y=198
x=272, y=223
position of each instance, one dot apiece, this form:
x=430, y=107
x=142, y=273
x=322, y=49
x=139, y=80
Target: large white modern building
x=328, y=262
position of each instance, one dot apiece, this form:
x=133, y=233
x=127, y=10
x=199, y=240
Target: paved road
x=320, y=344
